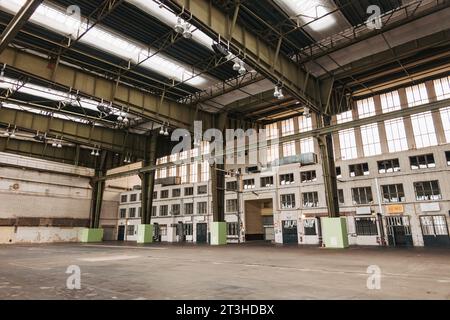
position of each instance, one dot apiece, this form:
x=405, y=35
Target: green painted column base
x=145, y=233
x=334, y=232
x=91, y=235
x=218, y=233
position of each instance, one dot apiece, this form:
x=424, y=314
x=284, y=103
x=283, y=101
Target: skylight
x=307, y=11
x=106, y=40
x=170, y=19
x=51, y=94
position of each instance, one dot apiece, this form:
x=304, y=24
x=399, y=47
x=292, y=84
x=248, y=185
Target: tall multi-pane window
x=289, y=149
x=287, y=127
x=310, y=199
x=390, y=101
x=304, y=124
x=163, y=171
x=193, y=178
x=362, y=195
x=287, y=201
x=427, y=190
x=184, y=173
x=423, y=128
x=173, y=171
x=307, y=145
x=202, y=207
x=417, y=95
x=371, y=140
x=231, y=205
x=163, y=210
x=204, y=147
x=344, y=117
x=445, y=116
x=366, y=108
x=205, y=171
x=271, y=131
x=347, y=137
x=273, y=153
x=396, y=135
x=442, y=88
x=393, y=193
x=347, y=142
x=188, y=208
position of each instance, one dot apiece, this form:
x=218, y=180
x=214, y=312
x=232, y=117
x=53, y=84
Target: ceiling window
x=442, y=88
x=390, y=101
x=205, y=171
x=396, y=135
x=423, y=127
x=315, y=13
x=371, y=140
x=99, y=37
x=417, y=95
x=273, y=153
x=366, y=108
x=347, y=142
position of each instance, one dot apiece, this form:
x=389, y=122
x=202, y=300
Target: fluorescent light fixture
x=103, y=39
x=309, y=10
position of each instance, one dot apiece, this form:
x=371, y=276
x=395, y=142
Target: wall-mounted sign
x=430, y=207
x=363, y=210
x=395, y=209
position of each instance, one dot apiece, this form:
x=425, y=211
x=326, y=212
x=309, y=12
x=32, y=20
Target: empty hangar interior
x=353, y=105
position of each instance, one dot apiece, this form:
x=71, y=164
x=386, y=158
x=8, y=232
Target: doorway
x=259, y=222
x=290, y=234
x=435, y=231
x=202, y=233
x=121, y=233
x=399, y=231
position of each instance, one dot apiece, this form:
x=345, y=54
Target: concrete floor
x=249, y=271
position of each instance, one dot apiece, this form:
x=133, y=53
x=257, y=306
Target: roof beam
x=138, y=101
x=253, y=50
x=17, y=22
x=118, y=141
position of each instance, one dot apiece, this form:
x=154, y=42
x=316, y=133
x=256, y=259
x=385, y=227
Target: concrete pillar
x=358, y=137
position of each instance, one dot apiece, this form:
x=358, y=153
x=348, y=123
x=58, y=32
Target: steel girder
x=18, y=22
x=118, y=141
x=137, y=101
x=255, y=51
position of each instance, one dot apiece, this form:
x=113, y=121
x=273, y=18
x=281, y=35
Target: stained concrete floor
x=249, y=271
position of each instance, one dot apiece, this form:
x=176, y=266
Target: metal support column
x=98, y=188
x=329, y=170
x=148, y=181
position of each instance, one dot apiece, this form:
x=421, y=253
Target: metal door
x=202, y=230
x=435, y=230
x=121, y=233
x=399, y=231
x=290, y=234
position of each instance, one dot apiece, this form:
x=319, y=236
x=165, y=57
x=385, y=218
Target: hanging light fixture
x=187, y=34
x=236, y=65
x=276, y=93
x=179, y=27
x=13, y=134
x=242, y=69
x=93, y=152
x=54, y=144
x=161, y=131
x=280, y=94
x=166, y=133
x=125, y=120
x=97, y=153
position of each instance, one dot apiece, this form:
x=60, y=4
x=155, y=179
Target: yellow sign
x=395, y=208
